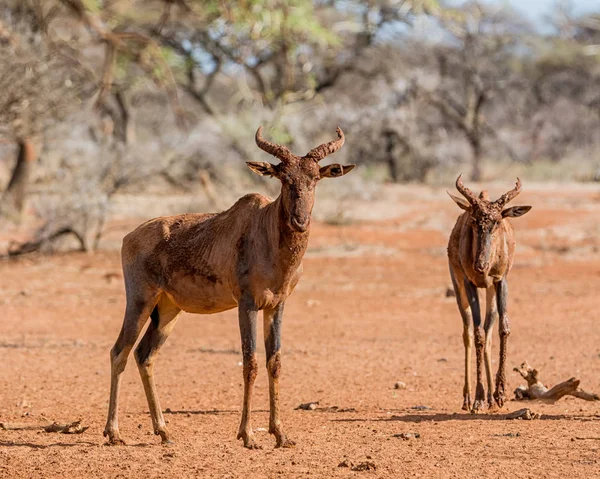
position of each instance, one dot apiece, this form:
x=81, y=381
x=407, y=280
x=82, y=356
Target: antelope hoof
x=477, y=406
x=466, y=403
x=164, y=436
x=249, y=442
x=500, y=397
x=280, y=437
x=286, y=443
x=113, y=438
x=490, y=401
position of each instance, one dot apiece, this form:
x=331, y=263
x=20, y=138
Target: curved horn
x=506, y=197
x=325, y=149
x=466, y=192
x=278, y=151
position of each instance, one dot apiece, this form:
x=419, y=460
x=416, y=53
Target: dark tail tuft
x=155, y=317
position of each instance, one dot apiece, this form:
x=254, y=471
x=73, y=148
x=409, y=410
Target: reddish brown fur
x=481, y=253
x=249, y=257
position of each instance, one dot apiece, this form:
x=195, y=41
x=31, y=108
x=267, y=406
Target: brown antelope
x=249, y=257
x=481, y=252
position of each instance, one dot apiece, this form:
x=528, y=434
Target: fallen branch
x=72, y=428
x=18, y=249
x=537, y=391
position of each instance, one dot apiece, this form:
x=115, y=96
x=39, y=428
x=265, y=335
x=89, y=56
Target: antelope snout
x=299, y=225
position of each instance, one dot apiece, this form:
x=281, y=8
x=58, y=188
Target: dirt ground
x=370, y=310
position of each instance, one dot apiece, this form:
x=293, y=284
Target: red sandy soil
x=370, y=310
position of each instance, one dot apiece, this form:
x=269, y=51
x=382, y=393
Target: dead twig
x=525, y=413
x=309, y=406
x=71, y=428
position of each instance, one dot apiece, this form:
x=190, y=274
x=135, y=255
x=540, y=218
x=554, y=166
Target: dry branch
x=71, y=428
x=537, y=391
x=16, y=249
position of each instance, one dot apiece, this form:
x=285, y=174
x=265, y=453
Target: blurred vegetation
x=106, y=97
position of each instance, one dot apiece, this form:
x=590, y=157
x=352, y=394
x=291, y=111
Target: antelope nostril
x=299, y=225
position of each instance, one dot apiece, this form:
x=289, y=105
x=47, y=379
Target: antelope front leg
x=272, y=331
x=136, y=315
x=473, y=298
x=504, y=331
x=247, y=317
x=465, y=313
x=491, y=315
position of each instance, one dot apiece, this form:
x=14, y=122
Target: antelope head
x=299, y=176
x=486, y=217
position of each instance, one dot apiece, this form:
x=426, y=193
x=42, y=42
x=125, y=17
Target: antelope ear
x=262, y=168
x=515, y=211
x=462, y=204
x=335, y=170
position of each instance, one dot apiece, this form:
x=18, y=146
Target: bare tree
x=37, y=85
x=473, y=67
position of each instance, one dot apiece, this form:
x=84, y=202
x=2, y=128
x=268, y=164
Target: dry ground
x=370, y=310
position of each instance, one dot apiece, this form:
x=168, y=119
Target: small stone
x=364, y=466
x=405, y=436
x=400, y=385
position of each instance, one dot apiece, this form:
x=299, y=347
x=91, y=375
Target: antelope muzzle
x=482, y=256
x=299, y=223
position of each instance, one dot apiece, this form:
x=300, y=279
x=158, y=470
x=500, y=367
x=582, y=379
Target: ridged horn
x=466, y=192
x=325, y=149
x=508, y=196
x=278, y=151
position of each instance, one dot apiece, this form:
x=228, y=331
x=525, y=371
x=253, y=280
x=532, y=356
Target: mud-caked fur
x=481, y=253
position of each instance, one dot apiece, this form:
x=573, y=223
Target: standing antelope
x=481, y=252
x=249, y=256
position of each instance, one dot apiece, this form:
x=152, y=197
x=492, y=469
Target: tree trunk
x=127, y=126
x=390, y=157
x=13, y=199
x=476, y=155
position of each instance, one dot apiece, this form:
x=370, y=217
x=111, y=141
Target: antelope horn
x=325, y=149
x=278, y=151
x=506, y=197
x=466, y=192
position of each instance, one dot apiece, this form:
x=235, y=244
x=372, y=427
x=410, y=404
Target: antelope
x=481, y=253
x=249, y=257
